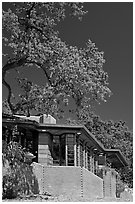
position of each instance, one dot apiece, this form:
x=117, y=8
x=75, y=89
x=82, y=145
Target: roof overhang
x=116, y=157
x=113, y=155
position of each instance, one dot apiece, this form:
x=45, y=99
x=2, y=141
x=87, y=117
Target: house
x=68, y=159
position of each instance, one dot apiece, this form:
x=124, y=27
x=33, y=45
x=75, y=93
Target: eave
x=114, y=155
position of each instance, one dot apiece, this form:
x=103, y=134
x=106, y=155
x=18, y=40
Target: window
x=58, y=151
x=70, y=149
x=89, y=159
x=77, y=151
x=81, y=153
x=85, y=156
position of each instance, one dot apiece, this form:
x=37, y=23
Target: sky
x=110, y=26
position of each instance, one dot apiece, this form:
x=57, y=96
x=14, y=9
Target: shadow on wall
x=19, y=180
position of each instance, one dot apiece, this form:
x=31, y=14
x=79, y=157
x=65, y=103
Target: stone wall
x=109, y=182
x=92, y=185
x=44, y=149
x=69, y=181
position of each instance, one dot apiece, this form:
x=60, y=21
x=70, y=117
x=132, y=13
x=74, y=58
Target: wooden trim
x=75, y=150
x=66, y=156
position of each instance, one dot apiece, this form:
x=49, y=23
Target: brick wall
x=69, y=181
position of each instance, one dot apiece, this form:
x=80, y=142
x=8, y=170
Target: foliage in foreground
x=18, y=177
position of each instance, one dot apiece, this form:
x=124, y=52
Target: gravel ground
x=63, y=198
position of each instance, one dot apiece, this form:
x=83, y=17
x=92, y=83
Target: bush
x=120, y=186
x=19, y=178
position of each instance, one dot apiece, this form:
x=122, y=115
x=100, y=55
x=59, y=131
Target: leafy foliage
x=113, y=135
x=29, y=31
x=120, y=187
x=18, y=177
x=31, y=38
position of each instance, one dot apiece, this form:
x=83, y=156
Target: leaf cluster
x=115, y=135
x=18, y=178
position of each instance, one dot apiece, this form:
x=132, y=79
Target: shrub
x=19, y=178
x=120, y=186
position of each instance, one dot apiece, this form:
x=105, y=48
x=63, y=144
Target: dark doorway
x=59, y=146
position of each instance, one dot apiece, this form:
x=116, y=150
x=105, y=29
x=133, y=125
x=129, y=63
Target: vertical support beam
x=95, y=162
x=105, y=159
x=84, y=154
x=91, y=161
x=75, y=150
x=79, y=163
x=66, y=152
x=85, y=159
x=93, y=169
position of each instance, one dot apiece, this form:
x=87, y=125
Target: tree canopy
x=115, y=135
x=30, y=33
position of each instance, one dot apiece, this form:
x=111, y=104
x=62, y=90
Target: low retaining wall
x=109, y=182
x=92, y=185
x=69, y=181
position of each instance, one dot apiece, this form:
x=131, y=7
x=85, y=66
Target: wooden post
x=75, y=150
x=86, y=157
x=83, y=154
x=66, y=152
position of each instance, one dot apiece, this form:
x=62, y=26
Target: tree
x=115, y=135
x=35, y=99
x=29, y=32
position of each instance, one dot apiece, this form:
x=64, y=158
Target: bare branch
x=15, y=64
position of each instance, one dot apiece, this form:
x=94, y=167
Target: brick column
x=45, y=148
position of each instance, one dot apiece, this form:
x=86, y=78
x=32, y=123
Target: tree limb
x=11, y=65
x=28, y=12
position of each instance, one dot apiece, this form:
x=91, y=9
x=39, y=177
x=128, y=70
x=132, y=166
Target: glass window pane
x=70, y=150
